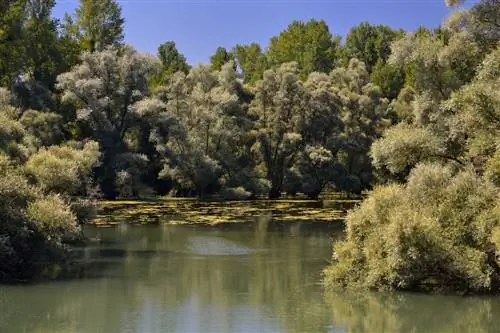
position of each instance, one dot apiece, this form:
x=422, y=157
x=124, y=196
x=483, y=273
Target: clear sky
x=198, y=27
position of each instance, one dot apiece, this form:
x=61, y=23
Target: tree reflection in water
x=255, y=278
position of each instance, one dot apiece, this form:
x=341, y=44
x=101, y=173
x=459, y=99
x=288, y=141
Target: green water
x=246, y=278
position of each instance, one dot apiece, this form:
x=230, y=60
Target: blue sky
x=198, y=27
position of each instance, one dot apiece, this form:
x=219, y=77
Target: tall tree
x=279, y=104
x=203, y=136
x=98, y=24
x=310, y=44
x=251, y=61
x=110, y=91
x=12, y=18
x=44, y=59
x=317, y=164
x=370, y=43
x=219, y=58
x=172, y=61
x=365, y=115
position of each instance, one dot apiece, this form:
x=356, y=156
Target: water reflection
x=378, y=312
x=157, y=279
x=259, y=278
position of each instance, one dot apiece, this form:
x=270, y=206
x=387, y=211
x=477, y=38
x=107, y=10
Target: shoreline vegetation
x=408, y=119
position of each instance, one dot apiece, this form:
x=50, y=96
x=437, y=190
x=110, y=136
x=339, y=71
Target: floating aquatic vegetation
x=215, y=212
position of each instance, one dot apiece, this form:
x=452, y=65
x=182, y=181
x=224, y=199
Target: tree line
x=409, y=114
x=299, y=116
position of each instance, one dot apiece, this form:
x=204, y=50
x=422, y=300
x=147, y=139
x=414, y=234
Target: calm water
x=252, y=278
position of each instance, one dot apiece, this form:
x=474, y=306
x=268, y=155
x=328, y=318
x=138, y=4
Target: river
x=249, y=277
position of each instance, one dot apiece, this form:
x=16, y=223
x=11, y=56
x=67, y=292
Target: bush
x=33, y=225
x=52, y=216
x=431, y=234
x=63, y=169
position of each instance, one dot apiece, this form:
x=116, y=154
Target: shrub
x=52, y=216
x=430, y=234
x=63, y=169
x=33, y=225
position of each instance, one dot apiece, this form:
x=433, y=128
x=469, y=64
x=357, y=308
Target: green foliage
x=430, y=234
x=97, y=24
x=370, y=44
x=51, y=215
x=485, y=24
x=31, y=52
x=251, y=61
x=110, y=91
x=310, y=44
x=11, y=44
x=438, y=230
x=45, y=127
x=172, y=61
x=389, y=78
x=63, y=169
x=403, y=146
x=220, y=57
x=12, y=135
x=34, y=225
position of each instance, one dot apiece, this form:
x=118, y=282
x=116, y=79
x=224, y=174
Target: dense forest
x=411, y=117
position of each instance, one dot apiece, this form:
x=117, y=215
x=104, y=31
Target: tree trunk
x=314, y=195
x=274, y=193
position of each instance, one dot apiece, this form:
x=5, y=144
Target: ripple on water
x=217, y=246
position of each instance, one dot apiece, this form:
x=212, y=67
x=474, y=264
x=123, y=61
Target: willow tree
x=279, y=105
x=430, y=132
x=437, y=63
x=189, y=162
x=202, y=135
x=440, y=230
x=108, y=90
x=365, y=114
x=316, y=165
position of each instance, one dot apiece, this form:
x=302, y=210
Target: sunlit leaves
x=403, y=146
x=98, y=24
x=310, y=44
x=433, y=229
